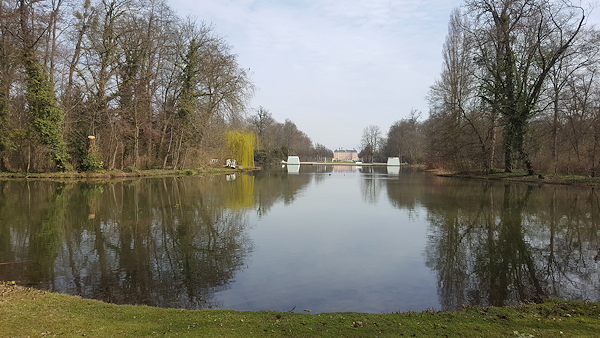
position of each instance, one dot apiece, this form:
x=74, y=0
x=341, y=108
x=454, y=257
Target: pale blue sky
x=334, y=66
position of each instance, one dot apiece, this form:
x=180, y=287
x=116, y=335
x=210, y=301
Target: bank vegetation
x=519, y=89
x=111, y=84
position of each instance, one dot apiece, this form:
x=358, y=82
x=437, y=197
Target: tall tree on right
x=516, y=44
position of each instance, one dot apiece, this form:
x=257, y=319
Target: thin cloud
x=320, y=62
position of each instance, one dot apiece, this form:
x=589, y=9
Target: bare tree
x=370, y=142
x=505, y=63
x=264, y=126
x=579, y=62
x=322, y=153
x=517, y=42
x=468, y=125
x=405, y=139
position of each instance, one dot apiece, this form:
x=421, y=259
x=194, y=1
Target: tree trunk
x=555, y=131
x=493, y=146
x=168, y=150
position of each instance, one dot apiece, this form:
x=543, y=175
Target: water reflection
x=293, y=169
x=344, y=168
x=181, y=242
x=393, y=170
x=495, y=244
x=169, y=242
x=371, y=188
x=277, y=185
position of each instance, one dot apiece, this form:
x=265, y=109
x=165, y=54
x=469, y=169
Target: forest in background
x=518, y=89
x=122, y=84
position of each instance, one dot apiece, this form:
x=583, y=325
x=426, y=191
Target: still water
x=321, y=238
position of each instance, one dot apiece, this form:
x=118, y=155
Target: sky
x=334, y=67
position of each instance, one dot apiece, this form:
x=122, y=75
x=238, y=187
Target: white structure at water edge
x=293, y=160
x=393, y=161
x=231, y=163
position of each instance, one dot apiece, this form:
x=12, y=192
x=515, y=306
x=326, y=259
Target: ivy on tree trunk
x=47, y=116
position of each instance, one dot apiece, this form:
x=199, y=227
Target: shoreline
x=31, y=312
x=517, y=176
x=520, y=176
x=117, y=174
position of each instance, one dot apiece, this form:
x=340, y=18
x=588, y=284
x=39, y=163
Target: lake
x=319, y=238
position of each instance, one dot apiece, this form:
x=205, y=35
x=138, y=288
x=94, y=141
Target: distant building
x=342, y=155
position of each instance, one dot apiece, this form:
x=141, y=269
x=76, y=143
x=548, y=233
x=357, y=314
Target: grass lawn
x=26, y=312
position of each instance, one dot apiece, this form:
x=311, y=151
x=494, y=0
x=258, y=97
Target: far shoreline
x=517, y=176
x=521, y=176
x=119, y=174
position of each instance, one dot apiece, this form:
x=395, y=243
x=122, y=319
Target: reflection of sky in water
x=330, y=251
x=325, y=238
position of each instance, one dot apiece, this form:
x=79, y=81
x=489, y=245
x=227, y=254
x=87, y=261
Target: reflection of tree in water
x=45, y=237
x=371, y=188
x=372, y=183
x=272, y=186
x=402, y=185
x=167, y=242
x=570, y=242
x=31, y=213
x=492, y=244
x=320, y=172
x=405, y=191
x=504, y=263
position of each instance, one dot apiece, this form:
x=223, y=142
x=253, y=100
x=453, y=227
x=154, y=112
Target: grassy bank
x=29, y=312
x=521, y=176
x=116, y=174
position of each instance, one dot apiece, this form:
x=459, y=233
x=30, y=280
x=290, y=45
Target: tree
x=47, y=115
x=278, y=140
x=241, y=146
x=264, y=125
x=97, y=69
x=9, y=61
x=370, y=142
x=153, y=89
x=322, y=153
x=579, y=63
x=404, y=139
x=227, y=86
x=463, y=126
x=516, y=43
x=262, y=122
x=187, y=102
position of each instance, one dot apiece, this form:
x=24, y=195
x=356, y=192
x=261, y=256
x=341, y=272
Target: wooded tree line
x=155, y=90
x=279, y=140
x=518, y=89
x=405, y=139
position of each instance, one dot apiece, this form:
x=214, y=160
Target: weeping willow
x=241, y=147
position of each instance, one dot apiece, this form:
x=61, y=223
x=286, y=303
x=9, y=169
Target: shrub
x=131, y=169
x=92, y=161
